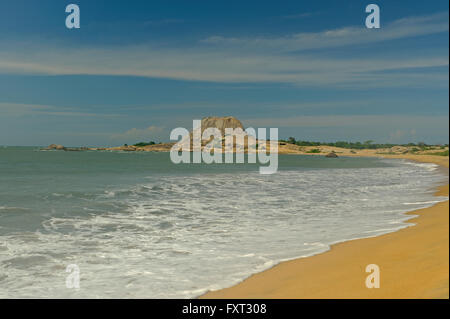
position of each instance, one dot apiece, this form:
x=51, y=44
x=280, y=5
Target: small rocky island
x=57, y=147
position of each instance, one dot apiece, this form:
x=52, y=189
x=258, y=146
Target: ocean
x=138, y=226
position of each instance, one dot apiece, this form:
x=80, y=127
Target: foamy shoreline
x=269, y=283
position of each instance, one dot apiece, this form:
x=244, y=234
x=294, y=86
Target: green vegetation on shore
x=444, y=153
x=142, y=144
x=365, y=145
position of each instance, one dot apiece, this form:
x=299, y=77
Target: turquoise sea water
x=139, y=226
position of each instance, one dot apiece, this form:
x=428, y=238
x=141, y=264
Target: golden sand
x=414, y=262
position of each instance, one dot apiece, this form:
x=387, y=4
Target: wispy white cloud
x=18, y=109
x=351, y=35
x=220, y=59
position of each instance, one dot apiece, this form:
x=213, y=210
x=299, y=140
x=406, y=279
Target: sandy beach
x=414, y=261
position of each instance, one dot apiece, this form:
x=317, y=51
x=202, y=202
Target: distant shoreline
x=397, y=151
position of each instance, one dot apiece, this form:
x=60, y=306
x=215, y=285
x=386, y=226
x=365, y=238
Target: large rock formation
x=221, y=123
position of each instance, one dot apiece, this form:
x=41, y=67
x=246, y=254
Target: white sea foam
x=423, y=203
x=179, y=236
x=428, y=166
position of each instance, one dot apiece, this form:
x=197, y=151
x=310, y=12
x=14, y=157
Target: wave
x=176, y=236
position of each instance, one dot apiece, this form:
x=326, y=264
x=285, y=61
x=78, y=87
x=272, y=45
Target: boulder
x=332, y=155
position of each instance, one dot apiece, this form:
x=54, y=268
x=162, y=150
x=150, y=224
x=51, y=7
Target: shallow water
x=139, y=226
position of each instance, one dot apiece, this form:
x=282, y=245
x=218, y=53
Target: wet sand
x=413, y=262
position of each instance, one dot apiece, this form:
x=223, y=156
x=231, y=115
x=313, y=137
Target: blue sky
x=137, y=69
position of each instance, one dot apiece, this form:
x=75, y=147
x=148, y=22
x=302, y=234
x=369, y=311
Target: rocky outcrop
x=221, y=123
x=55, y=147
x=125, y=148
x=331, y=155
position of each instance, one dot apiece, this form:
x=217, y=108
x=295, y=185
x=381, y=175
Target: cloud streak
x=402, y=28
x=18, y=110
x=219, y=59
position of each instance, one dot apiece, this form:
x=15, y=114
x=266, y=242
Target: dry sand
x=414, y=262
